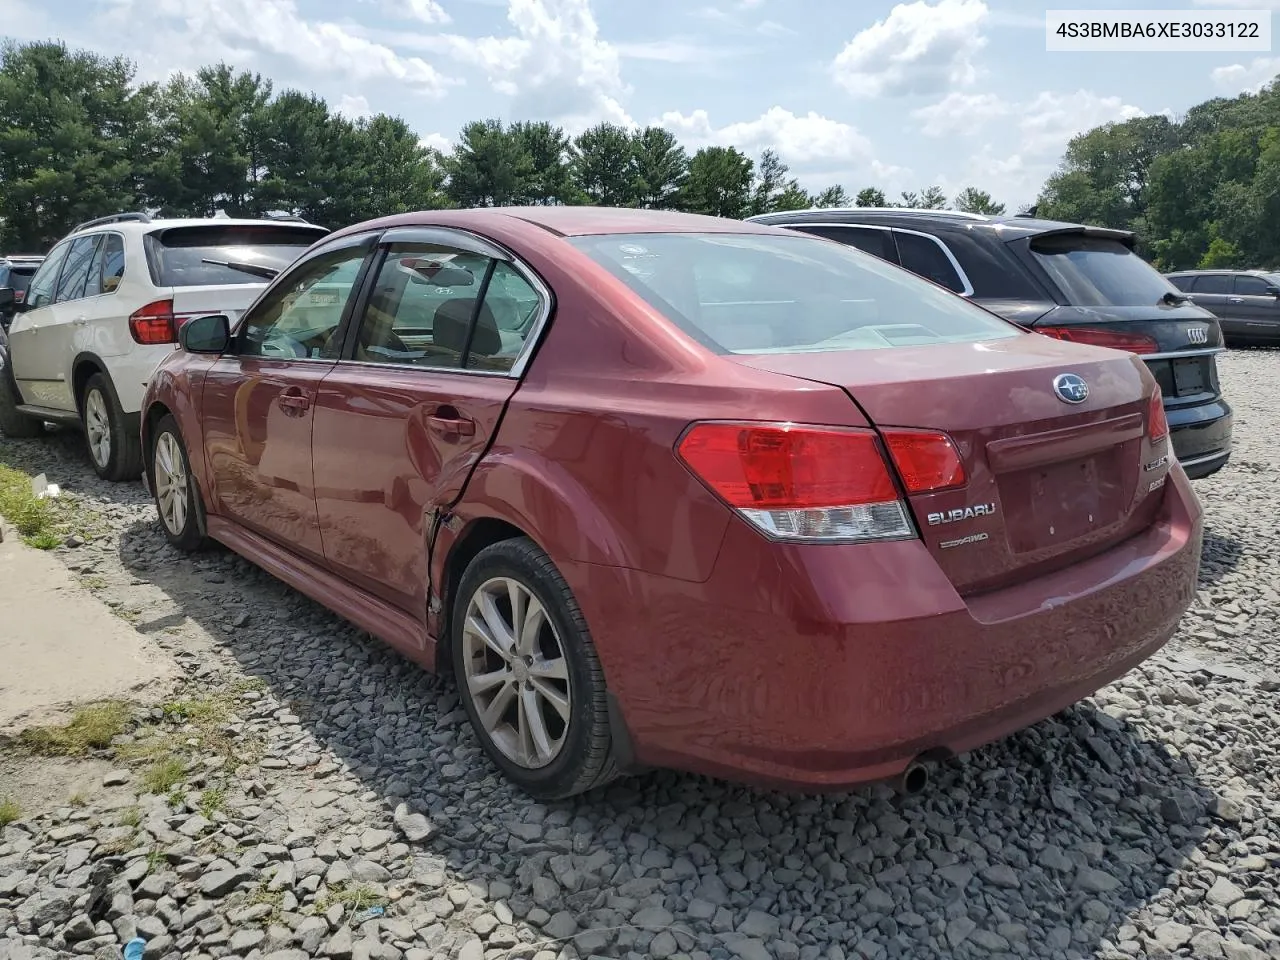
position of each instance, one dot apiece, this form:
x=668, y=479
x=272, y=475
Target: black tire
x=585, y=760
x=123, y=460
x=13, y=422
x=189, y=535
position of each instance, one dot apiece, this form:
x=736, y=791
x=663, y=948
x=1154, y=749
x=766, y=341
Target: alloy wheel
x=97, y=425
x=171, y=484
x=516, y=672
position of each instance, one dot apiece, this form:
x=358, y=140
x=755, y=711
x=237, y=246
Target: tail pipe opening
x=912, y=780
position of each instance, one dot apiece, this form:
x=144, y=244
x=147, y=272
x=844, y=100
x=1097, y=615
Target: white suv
x=105, y=307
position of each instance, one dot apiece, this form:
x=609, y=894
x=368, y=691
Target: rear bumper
x=1201, y=437
x=824, y=667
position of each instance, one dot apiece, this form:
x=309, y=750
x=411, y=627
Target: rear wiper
x=257, y=269
x=1173, y=299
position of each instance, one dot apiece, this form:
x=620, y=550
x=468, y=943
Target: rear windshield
x=18, y=278
x=1097, y=272
x=754, y=293
x=176, y=256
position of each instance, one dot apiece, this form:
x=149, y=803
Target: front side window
x=1100, y=271
x=41, y=291
x=301, y=316
x=759, y=293
x=440, y=307
x=878, y=243
x=1213, y=283
x=926, y=257
x=75, y=272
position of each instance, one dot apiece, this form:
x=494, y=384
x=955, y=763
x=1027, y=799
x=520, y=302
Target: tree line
x=80, y=138
x=1199, y=191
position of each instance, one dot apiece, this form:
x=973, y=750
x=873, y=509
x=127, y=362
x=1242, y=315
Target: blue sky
x=895, y=95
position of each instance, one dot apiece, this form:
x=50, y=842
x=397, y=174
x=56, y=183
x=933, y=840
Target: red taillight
x=799, y=482
x=1157, y=423
x=154, y=323
x=1132, y=342
x=926, y=461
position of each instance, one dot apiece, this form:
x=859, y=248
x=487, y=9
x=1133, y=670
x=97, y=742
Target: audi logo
x=1198, y=335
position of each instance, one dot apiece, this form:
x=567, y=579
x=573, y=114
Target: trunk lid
x=1048, y=482
x=1190, y=333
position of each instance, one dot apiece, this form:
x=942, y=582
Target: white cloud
x=919, y=48
x=424, y=11
x=354, y=107
x=198, y=31
x=1239, y=78
x=1051, y=119
x=555, y=65
x=437, y=141
x=805, y=141
x=960, y=113
x=672, y=51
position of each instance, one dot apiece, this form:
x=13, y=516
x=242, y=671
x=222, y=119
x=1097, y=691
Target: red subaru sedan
x=667, y=490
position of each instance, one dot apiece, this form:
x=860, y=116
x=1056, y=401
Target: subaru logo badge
x=1070, y=388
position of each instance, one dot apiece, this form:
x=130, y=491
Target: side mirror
x=1273, y=290
x=7, y=297
x=211, y=334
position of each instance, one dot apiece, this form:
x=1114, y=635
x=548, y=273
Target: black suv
x=1077, y=283
x=1246, y=302
x=16, y=273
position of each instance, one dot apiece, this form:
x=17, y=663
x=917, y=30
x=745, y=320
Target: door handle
x=448, y=421
x=293, y=401
x=80, y=321
x=1235, y=299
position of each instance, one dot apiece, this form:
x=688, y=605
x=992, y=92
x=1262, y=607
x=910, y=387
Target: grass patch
x=212, y=801
x=9, y=811
x=155, y=859
x=205, y=710
x=163, y=775
x=34, y=518
x=91, y=727
x=357, y=898
x=131, y=817
x=44, y=524
x=78, y=800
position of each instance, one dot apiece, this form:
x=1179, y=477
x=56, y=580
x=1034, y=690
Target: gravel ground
x=323, y=779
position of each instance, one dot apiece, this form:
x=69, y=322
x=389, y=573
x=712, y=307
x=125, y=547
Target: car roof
x=565, y=221
x=147, y=226
x=1215, y=272
x=1003, y=227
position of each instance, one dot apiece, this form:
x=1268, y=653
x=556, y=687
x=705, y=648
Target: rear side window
x=927, y=257
x=1212, y=283
x=1099, y=271
x=1182, y=283
x=423, y=305
x=878, y=243
x=180, y=256
x=755, y=293
x=112, y=262
x=75, y=272
x=1251, y=286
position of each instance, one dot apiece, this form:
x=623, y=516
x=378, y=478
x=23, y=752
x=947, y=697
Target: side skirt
x=387, y=623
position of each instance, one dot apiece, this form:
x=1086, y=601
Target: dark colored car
x=15, y=274
x=665, y=490
x=1077, y=283
x=1246, y=302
